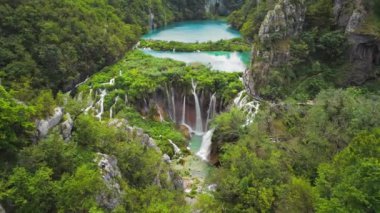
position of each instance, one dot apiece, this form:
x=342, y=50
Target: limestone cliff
x=272, y=48
x=364, y=45
x=287, y=20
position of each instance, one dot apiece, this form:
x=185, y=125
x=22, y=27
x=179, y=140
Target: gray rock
x=342, y=12
x=356, y=20
x=67, y=127
x=43, y=126
x=166, y=158
x=176, y=180
x=285, y=21
x=110, y=172
x=364, y=57
x=2, y=210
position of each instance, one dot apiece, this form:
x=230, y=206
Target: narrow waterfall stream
x=198, y=123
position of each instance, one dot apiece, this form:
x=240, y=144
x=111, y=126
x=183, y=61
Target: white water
x=177, y=150
x=112, y=107
x=103, y=94
x=211, y=110
x=151, y=20
x=251, y=108
x=198, y=123
x=205, y=149
x=184, y=110
x=173, y=106
x=169, y=103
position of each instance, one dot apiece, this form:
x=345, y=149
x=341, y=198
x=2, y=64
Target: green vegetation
x=282, y=162
x=249, y=17
x=237, y=45
x=53, y=44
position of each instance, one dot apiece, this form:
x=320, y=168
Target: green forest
x=92, y=122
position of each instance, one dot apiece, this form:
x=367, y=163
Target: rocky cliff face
x=111, y=197
x=286, y=21
x=272, y=48
x=364, y=49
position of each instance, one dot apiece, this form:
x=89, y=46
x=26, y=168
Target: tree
x=351, y=181
x=15, y=124
x=77, y=193
x=28, y=191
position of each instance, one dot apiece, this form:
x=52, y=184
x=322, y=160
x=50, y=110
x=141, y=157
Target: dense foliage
x=237, y=45
x=287, y=160
x=54, y=44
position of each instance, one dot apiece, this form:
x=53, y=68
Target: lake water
x=223, y=61
x=201, y=31
x=194, y=31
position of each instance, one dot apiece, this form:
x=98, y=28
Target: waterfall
x=173, y=106
x=205, y=149
x=177, y=150
x=251, y=108
x=126, y=99
x=112, y=107
x=198, y=124
x=169, y=104
x=151, y=20
x=112, y=81
x=211, y=110
x=103, y=94
x=184, y=110
x=120, y=73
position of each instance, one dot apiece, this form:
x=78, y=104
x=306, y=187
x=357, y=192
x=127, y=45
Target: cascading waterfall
x=103, y=94
x=211, y=110
x=177, y=150
x=198, y=123
x=205, y=149
x=251, y=108
x=184, y=110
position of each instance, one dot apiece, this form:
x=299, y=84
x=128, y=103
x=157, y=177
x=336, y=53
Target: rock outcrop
x=2, y=209
x=43, y=126
x=364, y=48
x=67, y=127
x=111, y=197
x=285, y=21
x=135, y=133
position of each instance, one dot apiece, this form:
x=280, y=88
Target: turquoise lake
x=194, y=31
x=201, y=31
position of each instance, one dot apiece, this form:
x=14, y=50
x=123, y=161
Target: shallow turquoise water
x=223, y=61
x=194, y=31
